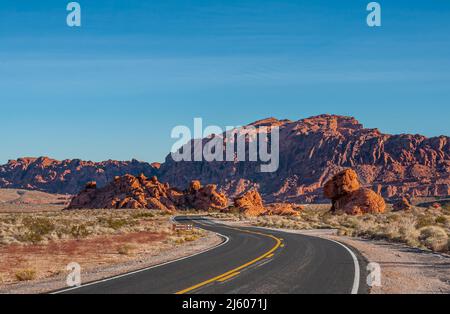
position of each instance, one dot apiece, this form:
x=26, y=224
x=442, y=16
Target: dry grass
x=41, y=228
x=126, y=249
x=425, y=228
x=25, y=274
x=47, y=241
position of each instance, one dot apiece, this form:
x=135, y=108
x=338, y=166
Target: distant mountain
x=313, y=149
x=67, y=176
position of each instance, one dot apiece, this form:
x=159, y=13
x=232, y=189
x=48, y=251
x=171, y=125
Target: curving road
x=249, y=261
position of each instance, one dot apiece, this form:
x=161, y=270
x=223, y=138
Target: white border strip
x=226, y=240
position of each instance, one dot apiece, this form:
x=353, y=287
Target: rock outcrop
x=313, y=149
x=67, y=176
x=341, y=184
x=130, y=192
x=251, y=204
x=203, y=197
x=348, y=197
x=284, y=209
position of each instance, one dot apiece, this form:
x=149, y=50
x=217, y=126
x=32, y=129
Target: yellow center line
x=237, y=269
x=228, y=277
x=270, y=256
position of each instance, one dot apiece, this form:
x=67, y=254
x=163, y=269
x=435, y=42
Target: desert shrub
x=349, y=222
x=125, y=249
x=141, y=215
x=79, y=231
x=9, y=220
x=441, y=220
x=114, y=223
x=232, y=210
x=446, y=208
x=25, y=275
x=424, y=221
x=191, y=238
x=394, y=217
x=346, y=232
x=179, y=241
x=434, y=238
x=35, y=229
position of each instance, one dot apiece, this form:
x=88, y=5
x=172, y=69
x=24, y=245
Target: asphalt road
x=250, y=261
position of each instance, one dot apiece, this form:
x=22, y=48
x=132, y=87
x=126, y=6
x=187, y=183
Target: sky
x=115, y=87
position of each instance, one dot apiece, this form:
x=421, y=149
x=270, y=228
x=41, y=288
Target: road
x=249, y=261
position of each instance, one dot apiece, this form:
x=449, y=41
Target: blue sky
x=116, y=87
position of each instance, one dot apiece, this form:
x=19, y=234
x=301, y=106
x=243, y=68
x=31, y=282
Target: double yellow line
x=234, y=272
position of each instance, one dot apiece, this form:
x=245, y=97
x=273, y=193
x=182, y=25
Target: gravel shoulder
x=404, y=270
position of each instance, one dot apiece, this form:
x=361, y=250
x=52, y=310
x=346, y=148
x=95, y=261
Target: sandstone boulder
x=250, y=203
x=362, y=201
x=342, y=184
x=348, y=197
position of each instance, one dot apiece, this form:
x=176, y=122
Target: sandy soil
x=405, y=270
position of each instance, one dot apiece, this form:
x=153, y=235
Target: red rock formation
x=362, y=201
x=139, y=192
x=284, y=209
x=67, y=176
x=205, y=198
x=250, y=204
x=348, y=197
x=341, y=184
x=313, y=149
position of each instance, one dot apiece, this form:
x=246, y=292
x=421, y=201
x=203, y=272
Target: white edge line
x=355, y=287
x=227, y=239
